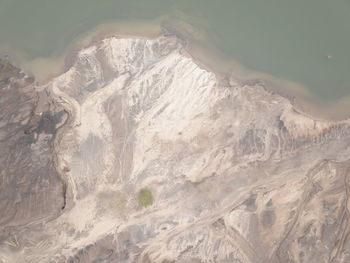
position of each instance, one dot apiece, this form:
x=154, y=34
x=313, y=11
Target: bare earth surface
x=237, y=175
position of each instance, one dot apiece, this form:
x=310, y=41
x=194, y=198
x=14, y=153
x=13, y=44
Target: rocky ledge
x=137, y=154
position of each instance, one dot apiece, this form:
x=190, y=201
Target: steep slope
x=236, y=174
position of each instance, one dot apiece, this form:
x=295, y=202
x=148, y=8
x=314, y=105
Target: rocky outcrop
x=30, y=189
x=236, y=173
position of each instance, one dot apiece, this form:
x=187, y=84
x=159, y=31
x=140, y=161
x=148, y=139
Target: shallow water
x=306, y=42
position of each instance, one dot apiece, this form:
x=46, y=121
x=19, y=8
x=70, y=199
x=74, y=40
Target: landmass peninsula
x=138, y=154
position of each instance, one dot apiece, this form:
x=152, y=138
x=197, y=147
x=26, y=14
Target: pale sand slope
x=236, y=173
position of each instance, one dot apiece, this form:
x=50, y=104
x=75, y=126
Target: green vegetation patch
x=145, y=197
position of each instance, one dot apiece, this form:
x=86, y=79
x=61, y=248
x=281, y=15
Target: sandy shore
x=229, y=71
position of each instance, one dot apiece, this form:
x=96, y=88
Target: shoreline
x=302, y=100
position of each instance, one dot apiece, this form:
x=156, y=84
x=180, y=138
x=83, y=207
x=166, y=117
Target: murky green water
x=304, y=41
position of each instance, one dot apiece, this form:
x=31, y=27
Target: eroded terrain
x=231, y=173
